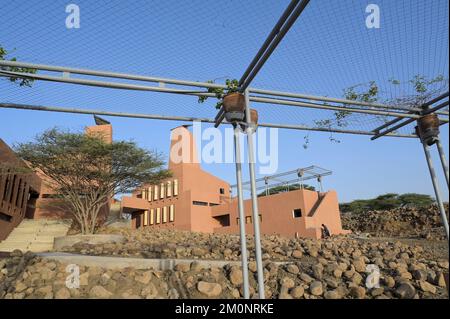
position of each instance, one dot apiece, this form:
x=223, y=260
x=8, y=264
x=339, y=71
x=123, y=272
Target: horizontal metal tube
x=330, y=107
x=176, y=82
x=185, y=92
x=108, y=74
x=181, y=118
x=437, y=99
x=329, y=99
x=322, y=129
x=105, y=84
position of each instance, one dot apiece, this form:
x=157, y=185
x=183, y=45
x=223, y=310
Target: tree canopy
x=387, y=201
x=85, y=172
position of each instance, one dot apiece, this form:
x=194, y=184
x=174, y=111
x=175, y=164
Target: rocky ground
x=333, y=268
x=404, y=222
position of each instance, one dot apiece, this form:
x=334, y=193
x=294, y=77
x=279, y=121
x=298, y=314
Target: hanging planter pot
x=254, y=116
x=234, y=106
x=253, y=119
x=428, y=128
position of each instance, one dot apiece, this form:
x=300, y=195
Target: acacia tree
x=21, y=81
x=85, y=172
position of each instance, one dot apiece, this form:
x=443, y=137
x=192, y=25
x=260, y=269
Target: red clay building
x=19, y=190
x=195, y=200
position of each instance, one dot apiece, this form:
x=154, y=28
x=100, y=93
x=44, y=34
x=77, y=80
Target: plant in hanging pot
x=230, y=98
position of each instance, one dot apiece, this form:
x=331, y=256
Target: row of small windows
x=166, y=189
x=249, y=219
x=159, y=215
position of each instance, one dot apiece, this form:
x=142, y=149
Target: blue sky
x=328, y=50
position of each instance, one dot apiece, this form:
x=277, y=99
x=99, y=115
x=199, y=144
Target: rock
x=306, y=278
x=20, y=286
x=252, y=266
x=196, y=266
x=293, y=269
x=358, y=292
x=183, y=267
x=440, y=280
x=297, y=254
x=297, y=292
x=377, y=292
x=427, y=287
x=149, y=291
x=405, y=291
x=332, y=294
x=199, y=252
x=337, y=273
x=236, y=277
x=84, y=279
x=144, y=278
x=357, y=279
x=318, y=271
x=98, y=292
x=316, y=288
x=389, y=282
x=62, y=293
x=420, y=274
x=16, y=253
x=287, y=282
x=209, y=289
x=359, y=264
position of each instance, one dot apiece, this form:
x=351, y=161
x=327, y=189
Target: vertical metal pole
x=251, y=164
x=237, y=154
x=436, y=187
x=443, y=159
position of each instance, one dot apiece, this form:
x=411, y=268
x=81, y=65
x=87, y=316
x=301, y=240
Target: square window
x=297, y=213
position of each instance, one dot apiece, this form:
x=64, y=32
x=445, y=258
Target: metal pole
x=251, y=164
x=436, y=188
x=245, y=82
x=237, y=154
x=443, y=159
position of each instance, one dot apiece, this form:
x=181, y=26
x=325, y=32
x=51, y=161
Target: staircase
x=35, y=235
x=316, y=205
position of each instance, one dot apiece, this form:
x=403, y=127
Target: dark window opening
x=5, y=217
x=213, y=204
x=199, y=203
x=224, y=220
x=52, y=196
x=222, y=191
x=297, y=213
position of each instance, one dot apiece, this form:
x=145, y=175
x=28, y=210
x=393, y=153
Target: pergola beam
x=183, y=118
x=277, y=34
x=136, y=87
x=408, y=121
x=436, y=99
x=185, y=83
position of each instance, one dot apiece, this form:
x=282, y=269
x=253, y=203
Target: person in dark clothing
x=325, y=231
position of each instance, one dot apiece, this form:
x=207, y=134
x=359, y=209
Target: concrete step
x=35, y=235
